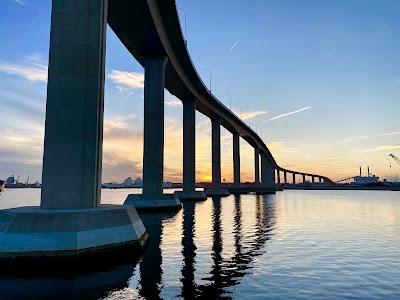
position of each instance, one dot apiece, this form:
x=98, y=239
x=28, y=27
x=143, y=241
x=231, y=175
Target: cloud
x=8, y=130
x=124, y=90
x=127, y=79
x=383, y=148
x=287, y=114
x=233, y=46
x=363, y=137
x=30, y=68
x=173, y=102
x=398, y=81
x=246, y=115
x=20, y=2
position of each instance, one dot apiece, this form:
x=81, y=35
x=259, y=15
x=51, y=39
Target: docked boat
x=2, y=184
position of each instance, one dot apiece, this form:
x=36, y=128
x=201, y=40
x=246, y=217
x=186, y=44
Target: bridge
x=70, y=209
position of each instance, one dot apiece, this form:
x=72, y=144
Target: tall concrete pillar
x=271, y=173
x=313, y=179
x=236, y=160
x=256, y=167
x=189, y=153
x=152, y=197
x=216, y=159
x=285, y=178
x=71, y=224
x=294, y=178
x=304, y=178
x=264, y=177
x=320, y=179
x=73, y=141
x=278, y=174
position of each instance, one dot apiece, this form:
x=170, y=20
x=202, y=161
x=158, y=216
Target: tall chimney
x=360, y=170
x=368, y=171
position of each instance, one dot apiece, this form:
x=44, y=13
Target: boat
x=2, y=184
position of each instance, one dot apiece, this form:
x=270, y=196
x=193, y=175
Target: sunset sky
x=319, y=81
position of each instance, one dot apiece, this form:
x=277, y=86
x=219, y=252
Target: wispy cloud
x=383, y=148
x=287, y=114
x=124, y=90
x=128, y=79
x=9, y=131
x=246, y=115
x=233, y=46
x=173, y=103
x=398, y=81
x=20, y=2
x=31, y=68
x=363, y=137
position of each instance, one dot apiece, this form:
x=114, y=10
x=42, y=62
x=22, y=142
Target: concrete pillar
x=153, y=153
x=216, y=152
x=278, y=175
x=320, y=179
x=189, y=153
x=256, y=167
x=189, y=145
x=294, y=178
x=216, y=159
x=271, y=173
x=73, y=141
x=304, y=178
x=264, y=176
x=285, y=178
x=236, y=160
x=313, y=179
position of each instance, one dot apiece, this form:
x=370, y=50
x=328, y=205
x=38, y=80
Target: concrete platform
x=249, y=189
x=32, y=232
x=217, y=193
x=196, y=195
x=154, y=202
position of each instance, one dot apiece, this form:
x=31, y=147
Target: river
x=292, y=245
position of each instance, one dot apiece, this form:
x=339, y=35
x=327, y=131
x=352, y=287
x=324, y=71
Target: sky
x=318, y=80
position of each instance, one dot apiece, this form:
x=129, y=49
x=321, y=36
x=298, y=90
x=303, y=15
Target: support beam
x=153, y=142
x=320, y=179
x=304, y=178
x=294, y=178
x=285, y=178
x=256, y=167
x=189, y=153
x=278, y=176
x=313, y=179
x=236, y=160
x=264, y=170
x=216, y=159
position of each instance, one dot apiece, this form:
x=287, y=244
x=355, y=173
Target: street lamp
x=185, y=23
x=210, y=77
x=230, y=106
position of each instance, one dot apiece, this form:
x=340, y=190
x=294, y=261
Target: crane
x=395, y=158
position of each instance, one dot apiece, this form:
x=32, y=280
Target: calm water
x=292, y=245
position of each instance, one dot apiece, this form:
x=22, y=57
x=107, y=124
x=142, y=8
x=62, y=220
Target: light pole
x=210, y=77
x=185, y=23
x=230, y=105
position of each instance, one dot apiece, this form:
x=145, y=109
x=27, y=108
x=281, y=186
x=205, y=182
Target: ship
x=2, y=184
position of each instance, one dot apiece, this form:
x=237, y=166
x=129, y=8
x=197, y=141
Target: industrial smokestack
x=360, y=170
x=368, y=171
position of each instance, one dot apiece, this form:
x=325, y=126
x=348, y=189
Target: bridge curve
x=152, y=27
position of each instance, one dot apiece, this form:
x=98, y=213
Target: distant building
x=364, y=180
x=128, y=182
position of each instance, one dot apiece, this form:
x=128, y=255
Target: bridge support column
x=313, y=179
x=285, y=178
x=278, y=174
x=320, y=179
x=256, y=167
x=271, y=174
x=294, y=178
x=153, y=150
x=264, y=177
x=304, y=178
x=189, y=153
x=236, y=160
x=216, y=159
x=72, y=160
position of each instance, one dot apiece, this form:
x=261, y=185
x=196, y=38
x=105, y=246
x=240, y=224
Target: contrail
x=287, y=114
x=8, y=130
x=233, y=46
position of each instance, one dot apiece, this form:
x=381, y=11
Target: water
x=292, y=245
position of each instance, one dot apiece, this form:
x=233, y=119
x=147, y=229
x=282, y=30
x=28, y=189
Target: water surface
x=292, y=245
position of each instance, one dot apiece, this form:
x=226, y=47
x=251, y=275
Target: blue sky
x=336, y=64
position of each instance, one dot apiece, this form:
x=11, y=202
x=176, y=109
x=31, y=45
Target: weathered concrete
x=236, y=160
x=153, y=202
x=189, y=153
x=216, y=159
x=256, y=167
x=31, y=232
x=75, y=100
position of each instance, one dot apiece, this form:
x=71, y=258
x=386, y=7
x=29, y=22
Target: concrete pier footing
x=217, y=193
x=37, y=233
x=154, y=202
x=194, y=195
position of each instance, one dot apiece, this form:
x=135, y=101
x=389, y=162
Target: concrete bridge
x=72, y=162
